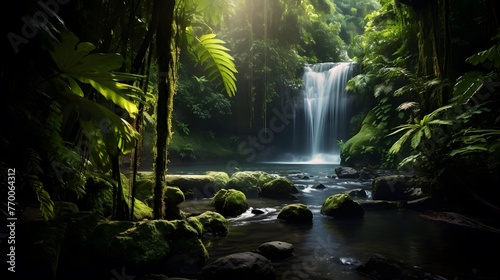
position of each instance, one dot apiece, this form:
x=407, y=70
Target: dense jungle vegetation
x=93, y=90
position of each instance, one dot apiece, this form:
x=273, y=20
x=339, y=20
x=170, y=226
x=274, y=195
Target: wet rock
x=241, y=266
x=344, y=172
x=342, y=206
x=279, y=188
x=172, y=247
x=249, y=182
x=275, y=250
x=357, y=193
x=367, y=173
x=396, y=187
x=212, y=223
x=319, y=186
x=230, y=203
x=257, y=212
x=200, y=186
x=379, y=204
x=296, y=213
x=173, y=197
x=380, y=267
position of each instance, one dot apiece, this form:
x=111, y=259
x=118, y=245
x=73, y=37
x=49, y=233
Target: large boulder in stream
x=397, y=188
x=199, y=186
x=342, y=206
x=241, y=266
x=344, y=172
x=275, y=250
x=249, y=182
x=279, y=188
x=209, y=223
x=230, y=203
x=296, y=213
x=382, y=268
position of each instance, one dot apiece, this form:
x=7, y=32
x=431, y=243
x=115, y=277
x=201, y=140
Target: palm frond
x=211, y=53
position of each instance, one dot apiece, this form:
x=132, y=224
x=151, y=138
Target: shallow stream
x=332, y=249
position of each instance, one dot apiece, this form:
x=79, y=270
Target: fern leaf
x=409, y=160
x=216, y=60
x=416, y=139
x=396, y=147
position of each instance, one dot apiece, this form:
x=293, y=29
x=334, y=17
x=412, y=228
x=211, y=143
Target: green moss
x=213, y=223
x=173, y=196
x=342, y=206
x=279, y=188
x=196, y=224
x=297, y=212
x=230, y=202
x=142, y=211
x=363, y=148
x=244, y=181
x=144, y=185
x=219, y=179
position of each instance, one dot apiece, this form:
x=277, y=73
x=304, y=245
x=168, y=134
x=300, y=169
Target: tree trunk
x=167, y=58
x=434, y=48
x=122, y=210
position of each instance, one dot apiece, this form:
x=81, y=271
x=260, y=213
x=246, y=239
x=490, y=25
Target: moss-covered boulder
x=230, y=203
x=279, y=188
x=362, y=149
x=296, y=213
x=342, y=206
x=210, y=223
x=249, y=182
x=173, y=197
x=98, y=197
x=144, y=185
x=169, y=247
x=199, y=185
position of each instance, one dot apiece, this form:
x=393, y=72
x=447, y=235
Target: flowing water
x=323, y=119
x=330, y=248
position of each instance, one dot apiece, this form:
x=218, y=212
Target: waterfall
x=326, y=112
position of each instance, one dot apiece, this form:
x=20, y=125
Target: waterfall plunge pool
x=332, y=249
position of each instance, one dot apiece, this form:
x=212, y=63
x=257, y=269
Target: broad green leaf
x=467, y=85
x=415, y=140
x=396, y=147
x=76, y=63
x=108, y=133
x=75, y=87
x=100, y=62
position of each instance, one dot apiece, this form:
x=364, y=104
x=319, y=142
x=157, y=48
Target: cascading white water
x=326, y=110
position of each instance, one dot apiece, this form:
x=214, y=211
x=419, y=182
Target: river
x=332, y=249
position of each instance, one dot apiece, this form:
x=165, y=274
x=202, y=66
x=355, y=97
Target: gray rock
x=241, y=266
x=275, y=250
